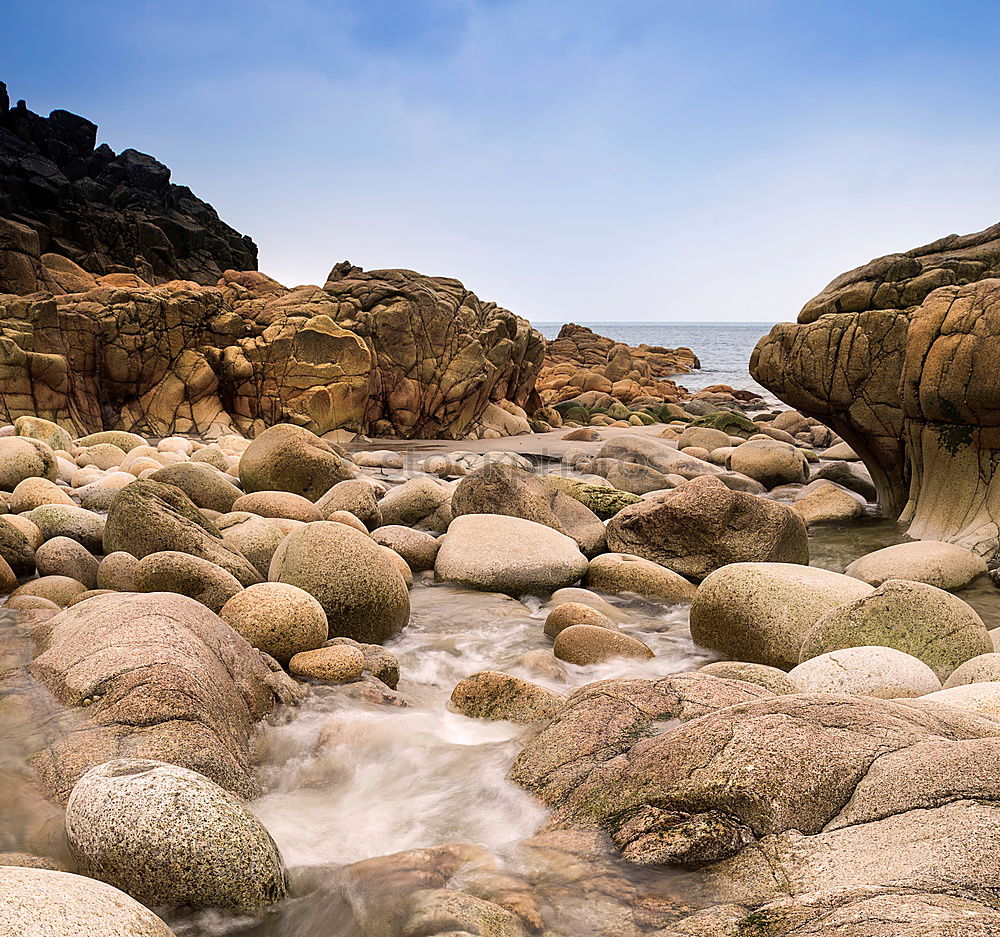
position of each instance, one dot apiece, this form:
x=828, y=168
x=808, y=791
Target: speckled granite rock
x=167, y=835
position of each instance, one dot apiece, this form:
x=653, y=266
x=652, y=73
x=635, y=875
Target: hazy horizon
x=589, y=161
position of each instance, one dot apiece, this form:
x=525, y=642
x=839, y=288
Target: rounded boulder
x=497, y=553
x=882, y=672
x=167, y=835
x=929, y=623
x=280, y=619
x=37, y=902
x=362, y=592
x=762, y=612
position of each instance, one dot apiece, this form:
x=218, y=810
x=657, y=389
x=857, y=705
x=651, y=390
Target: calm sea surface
x=723, y=347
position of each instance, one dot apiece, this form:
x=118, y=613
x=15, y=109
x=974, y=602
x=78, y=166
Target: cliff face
x=902, y=358
x=61, y=196
x=390, y=352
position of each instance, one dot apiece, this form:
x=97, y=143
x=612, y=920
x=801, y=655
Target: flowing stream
x=350, y=776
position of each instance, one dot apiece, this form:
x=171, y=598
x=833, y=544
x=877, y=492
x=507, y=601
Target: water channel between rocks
x=347, y=779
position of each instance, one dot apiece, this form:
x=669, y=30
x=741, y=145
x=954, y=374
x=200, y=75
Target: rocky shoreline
x=175, y=594
x=361, y=610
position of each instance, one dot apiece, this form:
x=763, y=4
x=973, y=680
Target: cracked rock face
x=157, y=676
x=388, y=352
x=900, y=357
x=779, y=797
x=126, y=303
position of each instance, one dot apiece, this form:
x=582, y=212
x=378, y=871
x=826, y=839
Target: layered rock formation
x=580, y=360
x=900, y=358
x=390, y=352
x=60, y=197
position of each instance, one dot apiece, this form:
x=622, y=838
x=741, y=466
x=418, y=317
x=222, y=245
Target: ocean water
x=723, y=347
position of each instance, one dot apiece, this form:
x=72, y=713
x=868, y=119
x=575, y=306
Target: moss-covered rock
x=735, y=424
x=603, y=501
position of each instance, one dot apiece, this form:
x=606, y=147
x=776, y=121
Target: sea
x=722, y=347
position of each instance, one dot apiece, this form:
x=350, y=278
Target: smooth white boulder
x=497, y=553
x=882, y=672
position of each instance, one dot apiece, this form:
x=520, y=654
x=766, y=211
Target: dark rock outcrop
x=900, y=358
x=63, y=199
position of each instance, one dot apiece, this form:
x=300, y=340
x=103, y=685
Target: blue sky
x=588, y=161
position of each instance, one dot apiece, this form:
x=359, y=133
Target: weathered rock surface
x=602, y=720
x=150, y=517
x=48, y=903
x=898, y=356
x=929, y=623
x=791, y=767
x=385, y=352
x=170, y=836
x=693, y=530
x=161, y=677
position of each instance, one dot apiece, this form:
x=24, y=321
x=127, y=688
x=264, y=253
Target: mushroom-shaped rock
x=362, y=592
x=899, y=357
x=496, y=553
x=167, y=835
x=693, y=530
x=762, y=612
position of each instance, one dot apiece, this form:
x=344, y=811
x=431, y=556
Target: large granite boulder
x=150, y=517
x=49, y=903
x=505, y=489
x=440, y=355
x=170, y=836
x=153, y=675
x=695, y=529
x=899, y=357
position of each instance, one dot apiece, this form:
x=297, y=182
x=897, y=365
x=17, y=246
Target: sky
x=572, y=160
